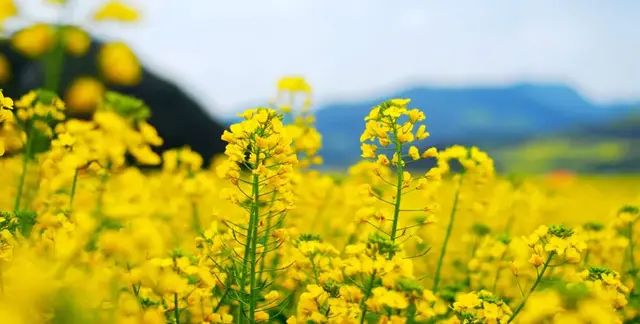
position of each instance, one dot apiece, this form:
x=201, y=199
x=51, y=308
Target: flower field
x=100, y=224
x=98, y=228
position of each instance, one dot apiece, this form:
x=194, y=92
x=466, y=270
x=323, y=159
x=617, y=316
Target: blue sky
x=230, y=53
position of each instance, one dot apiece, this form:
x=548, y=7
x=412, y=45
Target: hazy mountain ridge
x=488, y=117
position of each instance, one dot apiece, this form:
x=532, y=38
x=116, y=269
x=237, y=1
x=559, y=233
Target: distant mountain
x=488, y=117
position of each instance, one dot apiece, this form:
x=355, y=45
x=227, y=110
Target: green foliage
x=21, y=221
x=126, y=106
x=381, y=243
x=560, y=231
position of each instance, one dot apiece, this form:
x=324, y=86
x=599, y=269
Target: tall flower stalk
x=293, y=101
x=476, y=167
x=36, y=113
x=445, y=243
x=260, y=163
x=390, y=127
x=26, y=156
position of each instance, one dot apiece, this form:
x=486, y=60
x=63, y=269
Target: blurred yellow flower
x=294, y=84
x=7, y=10
x=34, y=40
x=84, y=94
x=76, y=41
x=465, y=301
x=117, y=11
x=119, y=65
x=5, y=102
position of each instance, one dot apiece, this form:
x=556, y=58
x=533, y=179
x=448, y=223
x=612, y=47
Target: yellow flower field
x=98, y=225
x=98, y=228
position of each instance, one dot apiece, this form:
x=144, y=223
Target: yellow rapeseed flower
x=119, y=65
x=34, y=40
x=293, y=84
x=84, y=94
x=7, y=10
x=76, y=41
x=5, y=102
x=115, y=10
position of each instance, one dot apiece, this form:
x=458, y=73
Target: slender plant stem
x=400, y=180
x=54, y=62
x=224, y=295
x=252, y=254
x=587, y=255
x=396, y=217
x=25, y=165
x=533, y=288
x=632, y=259
x=74, y=184
x=195, y=217
x=245, y=263
x=315, y=270
x=367, y=294
x=265, y=240
x=102, y=187
x=495, y=279
x=176, y=310
x=443, y=249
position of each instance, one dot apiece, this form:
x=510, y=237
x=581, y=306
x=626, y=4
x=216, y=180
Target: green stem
x=245, y=262
x=74, y=184
x=398, y=200
x=25, y=164
x=265, y=240
x=495, y=280
x=396, y=217
x=176, y=311
x=315, y=270
x=249, y=259
x=632, y=259
x=587, y=255
x=54, y=62
x=533, y=288
x=102, y=187
x=195, y=217
x=443, y=249
x=367, y=294
x=252, y=254
x=224, y=295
